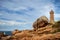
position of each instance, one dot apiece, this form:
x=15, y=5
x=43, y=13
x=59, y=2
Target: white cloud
x=12, y=23
x=2, y=23
x=19, y=8
x=15, y=23
x=57, y=15
x=14, y=16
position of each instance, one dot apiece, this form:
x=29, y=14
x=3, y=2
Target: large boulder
x=40, y=22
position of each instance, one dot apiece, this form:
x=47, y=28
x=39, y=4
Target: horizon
x=20, y=14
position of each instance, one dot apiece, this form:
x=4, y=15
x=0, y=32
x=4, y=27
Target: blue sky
x=20, y=14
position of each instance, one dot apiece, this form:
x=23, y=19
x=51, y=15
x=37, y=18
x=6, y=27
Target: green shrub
x=56, y=25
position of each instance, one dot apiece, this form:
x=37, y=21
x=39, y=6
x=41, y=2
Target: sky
x=20, y=14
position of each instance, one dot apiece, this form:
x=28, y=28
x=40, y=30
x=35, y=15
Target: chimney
x=52, y=16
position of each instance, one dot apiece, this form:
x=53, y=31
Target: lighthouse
x=52, y=16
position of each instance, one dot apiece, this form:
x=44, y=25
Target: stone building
x=52, y=16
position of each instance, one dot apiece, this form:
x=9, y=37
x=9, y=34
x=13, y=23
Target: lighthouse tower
x=52, y=16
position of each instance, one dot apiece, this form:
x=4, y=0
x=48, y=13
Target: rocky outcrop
x=44, y=33
x=40, y=22
x=15, y=32
x=55, y=36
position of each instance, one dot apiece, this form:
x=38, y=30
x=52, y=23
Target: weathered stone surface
x=40, y=22
x=40, y=34
x=15, y=32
